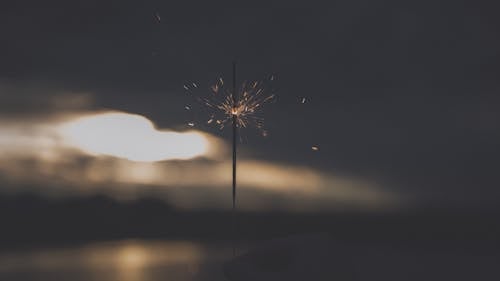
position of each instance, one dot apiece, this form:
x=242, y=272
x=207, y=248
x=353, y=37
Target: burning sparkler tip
x=240, y=105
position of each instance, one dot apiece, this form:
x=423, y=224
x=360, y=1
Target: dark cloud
x=34, y=98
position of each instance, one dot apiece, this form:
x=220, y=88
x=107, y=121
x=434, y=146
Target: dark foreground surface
x=321, y=257
x=127, y=260
x=302, y=258
x=100, y=239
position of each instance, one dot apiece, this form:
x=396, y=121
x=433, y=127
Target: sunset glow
x=132, y=137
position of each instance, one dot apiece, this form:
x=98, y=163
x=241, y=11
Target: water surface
x=129, y=260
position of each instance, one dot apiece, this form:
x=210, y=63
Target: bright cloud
x=131, y=137
x=125, y=155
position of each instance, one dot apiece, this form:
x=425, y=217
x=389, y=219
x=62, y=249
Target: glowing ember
x=235, y=111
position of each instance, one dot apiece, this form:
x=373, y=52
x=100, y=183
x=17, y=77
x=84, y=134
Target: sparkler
x=238, y=107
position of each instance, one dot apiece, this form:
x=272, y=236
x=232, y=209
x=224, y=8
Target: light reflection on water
x=130, y=260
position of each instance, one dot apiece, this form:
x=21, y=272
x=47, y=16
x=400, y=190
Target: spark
x=187, y=107
x=223, y=105
x=303, y=100
x=315, y=148
x=215, y=89
x=191, y=124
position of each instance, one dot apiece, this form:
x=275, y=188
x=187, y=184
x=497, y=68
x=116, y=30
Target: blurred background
x=384, y=133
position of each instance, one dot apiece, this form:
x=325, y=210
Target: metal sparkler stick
x=235, y=137
x=235, y=134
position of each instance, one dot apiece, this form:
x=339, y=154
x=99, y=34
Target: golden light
x=132, y=137
x=234, y=111
x=133, y=257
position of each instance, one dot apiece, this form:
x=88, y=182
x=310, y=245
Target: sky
x=401, y=98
